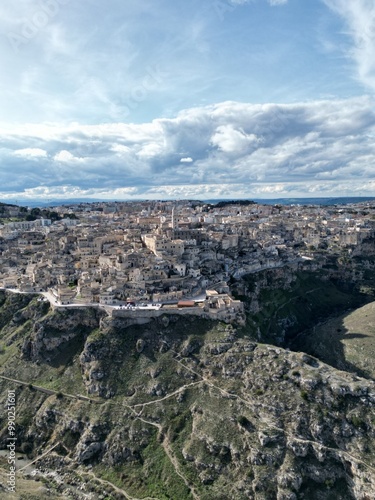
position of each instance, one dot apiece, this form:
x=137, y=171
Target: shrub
x=243, y=421
x=358, y=422
x=329, y=483
x=304, y=395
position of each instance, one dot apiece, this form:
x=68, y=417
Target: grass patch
x=346, y=342
x=154, y=476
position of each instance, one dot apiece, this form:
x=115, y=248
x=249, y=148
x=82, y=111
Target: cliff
x=178, y=408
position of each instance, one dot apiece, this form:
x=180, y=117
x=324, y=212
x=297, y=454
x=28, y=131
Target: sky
x=203, y=99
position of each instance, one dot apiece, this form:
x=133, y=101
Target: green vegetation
x=286, y=310
x=358, y=422
x=346, y=342
x=241, y=203
x=13, y=213
x=198, y=399
x=304, y=395
x=161, y=480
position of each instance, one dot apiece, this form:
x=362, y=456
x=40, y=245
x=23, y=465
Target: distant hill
x=5, y=205
x=301, y=201
x=273, y=201
x=317, y=201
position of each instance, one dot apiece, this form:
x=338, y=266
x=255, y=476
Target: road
x=107, y=307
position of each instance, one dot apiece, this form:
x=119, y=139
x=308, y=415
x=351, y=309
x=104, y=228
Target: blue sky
x=203, y=99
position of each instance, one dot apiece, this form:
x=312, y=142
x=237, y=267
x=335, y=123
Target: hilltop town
x=179, y=256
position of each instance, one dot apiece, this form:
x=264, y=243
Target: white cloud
x=277, y=2
x=120, y=149
x=231, y=140
x=359, y=17
x=31, y=153
x=151, y=150
x=66, y=157
x=231, y=147
x=201, y=191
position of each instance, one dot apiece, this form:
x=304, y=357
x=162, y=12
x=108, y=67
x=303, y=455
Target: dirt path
x=50, y=392
x=176, y=465
x=269, y=424
x=321, y=447
x=178, y=391
x=111, y=485
x=36, y=387
x=165, y=442
x=168, y=451
x=40, y=457
x=249, y=404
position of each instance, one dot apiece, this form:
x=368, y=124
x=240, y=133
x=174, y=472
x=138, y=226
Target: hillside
x=178, y=409
x=346, y=342
x=281, y=303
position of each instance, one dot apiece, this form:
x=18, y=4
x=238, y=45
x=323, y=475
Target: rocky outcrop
x=56, y=330
x=160, y=406
x=91, y=443
x=93, y=360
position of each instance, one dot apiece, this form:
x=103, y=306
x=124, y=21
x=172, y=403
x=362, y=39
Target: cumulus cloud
x=64, y=156
x=359, y=17
x=223, y=150
x=230, y=140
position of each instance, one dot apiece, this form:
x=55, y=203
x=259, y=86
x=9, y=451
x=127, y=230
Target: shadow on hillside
x=327, y=343
x=65, y=354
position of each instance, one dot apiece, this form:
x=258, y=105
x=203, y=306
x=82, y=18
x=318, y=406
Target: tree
x=36, y=212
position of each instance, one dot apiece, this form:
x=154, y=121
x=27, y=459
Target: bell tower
x=174, y=219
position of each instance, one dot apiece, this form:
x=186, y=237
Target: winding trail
x=50, y=392
x=168, y=451
x=164, y=439
x=165, y=443
x=288, y=434
x=179, y=390
x=83, y=473
x=111, y=485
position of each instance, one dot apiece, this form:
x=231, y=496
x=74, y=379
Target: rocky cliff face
x=281, y=303
x=57, y=330
x=181, y=408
